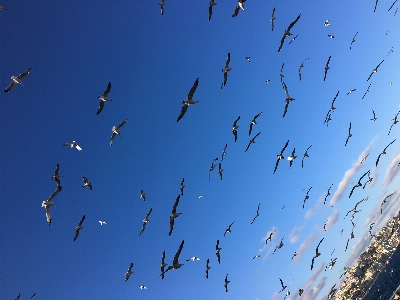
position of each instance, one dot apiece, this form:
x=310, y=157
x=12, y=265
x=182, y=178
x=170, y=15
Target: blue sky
x=152, y=62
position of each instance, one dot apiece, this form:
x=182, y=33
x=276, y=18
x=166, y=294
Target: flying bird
x=375, y=70
x=281, y=74
x=173, y=215
x=78, y=228
x=189, y=100
x=162, y=3
x=103, y=98
x=228, y=230
x=316, y=254
x=33, y=295
x=376, y=3
x=385, y=200
x=273, y=18
x=306, y=197
x=210, y=8
x=142, y=287
x=56, y=176
x=280, y=156
x=326, y=23
x=383, y=153
x=358, y=183
x=253, y=122
x=115, y=131
x=367, y=91
x=212, y=167
x=142, y=195
x=252, y=141
x=351, y=91
x=329, y=192
x=283, y=286
x=226, y=283
x=49, y=202
x=292, y=157
x=295, y=254
x=257, y=256
x=227, y=68
x=220, y=170
x=102, y=223
x=17, y=80
x=129, y=272
x=353, y=40
x=235, y=127
x=257, y=214
x=87, y=183
x=248, y=58
x=374, y=118
x=224, y=152
x=331, y=36
x=238, y=7
x=293, y=39
x=207, y=267
x=73, y=144
x=327, y=67
x=175, y=264
x=145, y=221
x=287, y=100
x=193, y=258
x=163, y=265
x=395, y=121
x=304, y=156
x=269, y=237
x=287, y=32
x=217, y=251
x=182, y=186
x=279, y=246
x=349, y=136
x=302, y=66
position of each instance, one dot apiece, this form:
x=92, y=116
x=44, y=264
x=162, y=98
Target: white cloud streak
x=332, y=219
x=303, y=247
x=392, y=170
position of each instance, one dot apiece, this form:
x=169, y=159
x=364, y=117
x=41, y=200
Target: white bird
x=87, y=183
x=162, y=3
x=142, y=195
x=201, y=196
x=102, y=222
x=79, y=227
x=17, y=79
x=193, y=258
x=115, y=131
x=142, y=287
x=104, y=98
x=145, y=221
x=73, y=144
x=129, y=272
x=49, y=202
x=326, y=23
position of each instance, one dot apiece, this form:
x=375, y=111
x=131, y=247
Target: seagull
x=287, y=100
x=279, y=246
x=331, y=264
x=73, y=144
x=327, y=67
x=367, y=91
x=353, y=40
x=224, y=152
x=292, y=157
x=101, y=222
x=376, y=3
x=269, y=237
x=351, y=91
x=173, y=215
x=235, y=127
x=226, y=283
x=257, y=256
x=281, y=74
x=374, y=118
x=33, y=295
x=217, y=251
x=304, y=156
x=283, y=286
x=238, y=7
x=182, y=186
x=267, y=80
x=280, y=156
x=2, y=8
x=207, y=267
x=331, y=36
x=104, y=98
x=329, y=192
x=348, y=240
x=385, y=200
x=228, y=230
x=129, y=272
x=193, y=258
x=349, y=136
x=115, y=131
x=395, y=121
x=143, y=195
x=227, y=68
x=86, y=183
x=392, y=5
x=212, y=3
x=56, y=176
x=175, y=264
x=316, y=254
x=273, y=18
x=326, y=23
x=287, y=32
x=220, y=170
x=16, y=80
x=306, y=197
x=19, y=295
x=358, y=183
x=302, y=66
x=253, y=122
x=212, y=167
x=145, y=221
x=257, y=214
x=49, y=202
x=301, y=291
x=252, y=141
x=162, y=3
x=295, y=254
x=248, y=58
x=364, y=159
x=383, y=152
x=331, y=109
x=293, y=39
x=375, y=70
x=189, y=100
x=142, y=287
x=78, y=228
x=201, y=196
x=163, y=265
x=325, y=224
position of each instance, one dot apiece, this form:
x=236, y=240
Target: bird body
x=17, y=80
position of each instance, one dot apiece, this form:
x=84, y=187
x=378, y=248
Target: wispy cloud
x=349, y=174
x=293, y=235
x=311, y=293
x=392, y=170
x=303, y=247
x=332, y=219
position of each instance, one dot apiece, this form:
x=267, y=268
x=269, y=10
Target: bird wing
x=81, y=221
x=176, y=203
x=193, y=89
x=100, y=107
x=316, y=250
x=107, y=89
x=285, y=109
x=183, y=111
x=282, y=41
x=287, y=143
x=112, y=138
x=234, y=123
x=55, y=193
x=294, y=22
x=171, y=225
x=23, y=75
x=236, y=11
x=377, y=161
x=48, y=215
x=225, y=78
x=389, y=145
x=57, y=169
x=251, y=128
x=143, y=227
x=228, y=59
x=248, y=146
x=312, y=263
x=276, y=165
x=76, y=234
x=122, y=123
x=149, y=212
x=10, y=87
x=351, y=193
x=209, y=12
x=176, y=257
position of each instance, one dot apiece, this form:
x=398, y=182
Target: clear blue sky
x=152, y=61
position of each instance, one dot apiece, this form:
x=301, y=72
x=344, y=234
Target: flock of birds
x=116, y=130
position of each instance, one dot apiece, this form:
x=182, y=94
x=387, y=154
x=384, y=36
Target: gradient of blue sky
x=152, y=62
